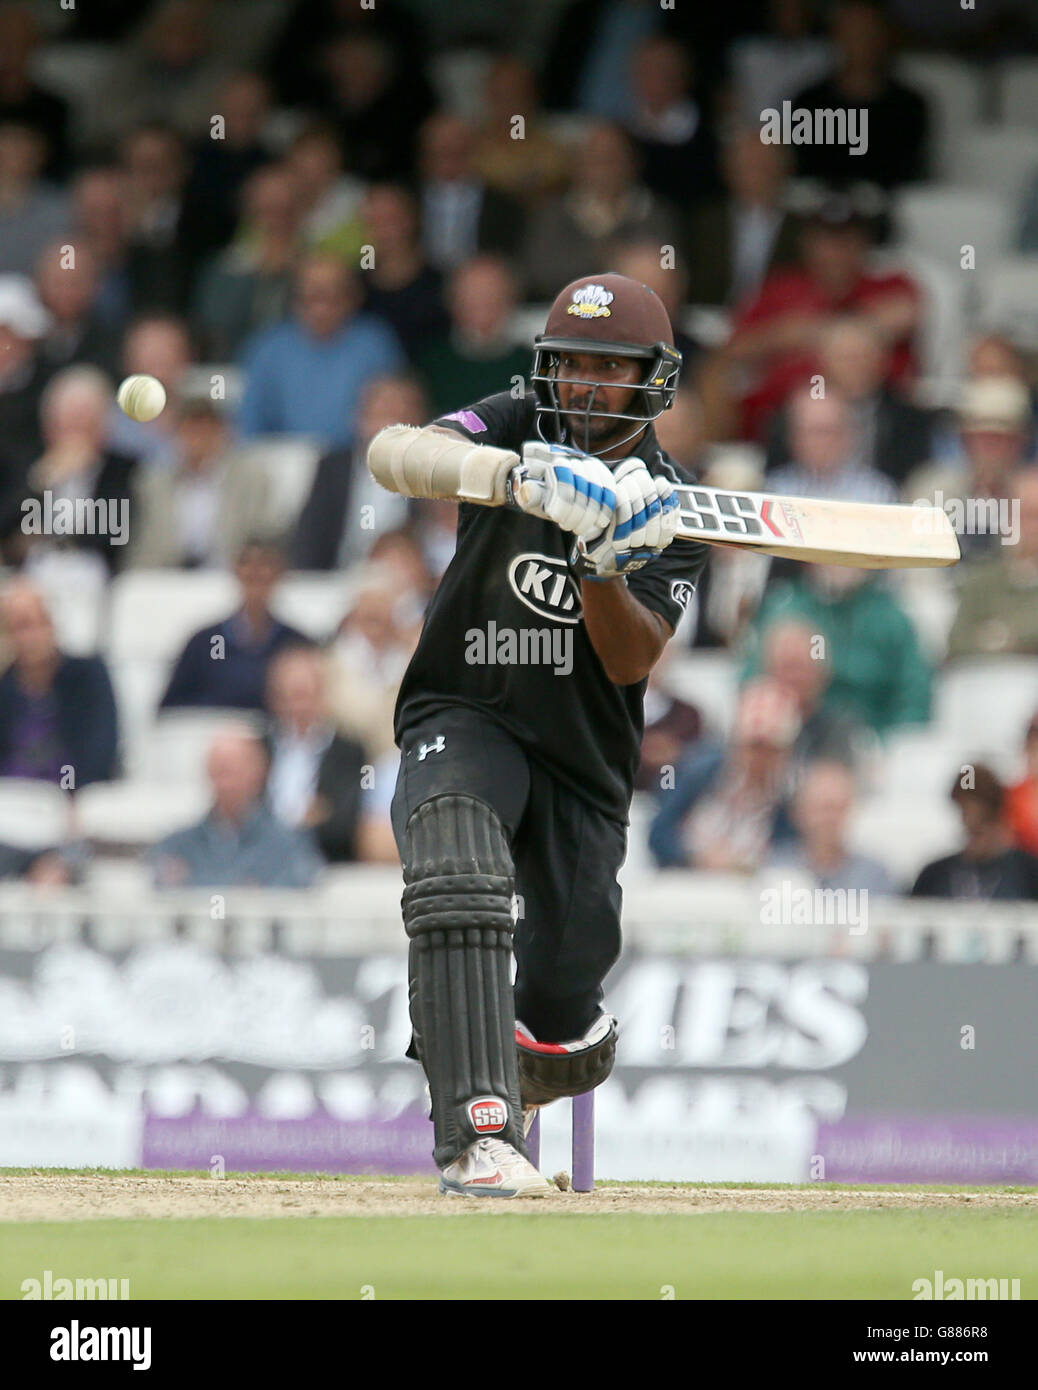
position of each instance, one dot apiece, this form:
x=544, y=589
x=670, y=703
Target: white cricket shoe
x=492, y=1168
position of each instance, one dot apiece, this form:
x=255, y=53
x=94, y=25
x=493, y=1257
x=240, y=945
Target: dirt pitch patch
x=78, y=1197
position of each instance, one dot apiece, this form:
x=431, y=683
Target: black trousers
x=566, y=855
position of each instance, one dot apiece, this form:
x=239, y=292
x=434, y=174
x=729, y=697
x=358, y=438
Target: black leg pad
x=458, y=914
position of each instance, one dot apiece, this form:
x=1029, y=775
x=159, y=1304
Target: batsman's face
x=608, y=380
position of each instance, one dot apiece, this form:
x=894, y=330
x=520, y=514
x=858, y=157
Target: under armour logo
x=436, y=747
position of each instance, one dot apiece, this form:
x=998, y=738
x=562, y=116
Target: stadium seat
x=33, y=815
x=138, y=684
x=186, y=600
x=178, y=742
x=1001, y=158
x=130, y=814
x=938, y=220
x=79, y=72
x=1007, y=299
x=984, y=704
x=929, y=598
x=313, y=603
x=954, y=92
x=708, y=680
x=943, y=328
x=905, y=832
x=73, y=583
x=289, y=462
x=917, y=761
x=1018, y=91
x=459, y=77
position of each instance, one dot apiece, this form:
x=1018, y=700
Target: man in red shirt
x=776, y=335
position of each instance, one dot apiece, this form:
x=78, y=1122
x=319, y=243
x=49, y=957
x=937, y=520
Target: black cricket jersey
x=504, y=632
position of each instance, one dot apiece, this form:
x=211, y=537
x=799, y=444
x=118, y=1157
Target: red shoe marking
x=475, y=1182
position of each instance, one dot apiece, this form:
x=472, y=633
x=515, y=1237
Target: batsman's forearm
x=627, y=637
x=440, y=463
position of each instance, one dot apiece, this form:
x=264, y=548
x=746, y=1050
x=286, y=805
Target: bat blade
x=863, y=535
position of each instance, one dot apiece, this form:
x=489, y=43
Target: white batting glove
x=574, y=490
x=645, y=521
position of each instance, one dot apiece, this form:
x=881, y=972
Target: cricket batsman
x=516, y=774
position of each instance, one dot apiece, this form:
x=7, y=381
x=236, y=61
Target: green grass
x=804, y=1255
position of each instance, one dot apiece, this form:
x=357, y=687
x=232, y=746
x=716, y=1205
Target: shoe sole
x=459, y=1190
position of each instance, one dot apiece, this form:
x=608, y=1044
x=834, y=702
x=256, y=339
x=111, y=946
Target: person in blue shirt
x=306, y=375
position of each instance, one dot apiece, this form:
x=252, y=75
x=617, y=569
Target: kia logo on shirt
x=545, y=585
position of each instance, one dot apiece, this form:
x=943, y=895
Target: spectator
x=993, y=354
x=376, y=103
x=795, y=659
x=777, y=335
x=400, y=287
x=879, y=673
x=67, y=285
x=100, y=226
x=169, y=71
x=202, y=508
x=57, y=713
x=995, y=439
x=157, y=345
x=346, y=509
x=240, y=843
x=895, y=150
x=480, y=353
x=248, y=287
x=305, y=376
x=460, y=213
x=526, y=165
x=889, y=434
x=1022, y=797
x=328, y=198
x=77, y=467
x=729, y=806
x=642, y=260
x=736, y=240
x=22, y=100
x=48, y=868
x=32, y=212
x=221, y=162
x=315, y=774
x=998, y=601
x=680, y=430
x=400, y=554
x=368, y=657
x=23, y=374
x=822, y=805
x=823, y=460
x=606, y=203
x=225, y=666
x=988, y=867
x=673, y=132
x=154, y=162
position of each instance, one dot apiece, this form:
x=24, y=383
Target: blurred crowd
x=335, y=218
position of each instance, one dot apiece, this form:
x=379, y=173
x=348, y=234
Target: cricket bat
x=864, y=535
x=861, y=535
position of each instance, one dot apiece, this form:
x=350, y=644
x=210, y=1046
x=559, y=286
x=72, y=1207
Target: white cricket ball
x=142, y=397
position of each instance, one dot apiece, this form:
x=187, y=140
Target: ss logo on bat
x=719, y=512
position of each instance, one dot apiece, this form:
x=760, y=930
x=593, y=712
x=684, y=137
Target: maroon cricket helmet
x=616, y=316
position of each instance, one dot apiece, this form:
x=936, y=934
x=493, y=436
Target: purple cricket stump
x=533, y=1141
x=584, y=1142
